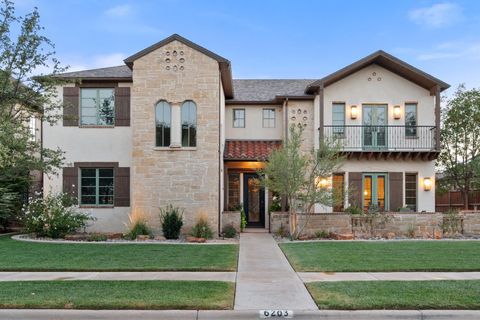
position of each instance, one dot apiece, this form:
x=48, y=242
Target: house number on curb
x=287, y=314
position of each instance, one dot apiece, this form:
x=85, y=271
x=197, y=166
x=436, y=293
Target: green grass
x=413, y=295
x=29, y=256
x=384, y=256
x=117, y=295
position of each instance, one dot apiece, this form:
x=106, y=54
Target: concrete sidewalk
x=30, y=276
x=53, y=314
x=379, y=276
x=265, y=279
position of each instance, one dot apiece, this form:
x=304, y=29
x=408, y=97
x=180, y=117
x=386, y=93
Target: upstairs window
x=239, y=118
x=189, y=124
x=338, y=118
x=97, y=106
x=411, y=120
x=96, y=186
x=163, y=121
x=269, y=118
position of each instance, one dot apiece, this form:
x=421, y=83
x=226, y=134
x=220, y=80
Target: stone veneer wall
x=231, y=218
x=424, y=225
x=185, y=177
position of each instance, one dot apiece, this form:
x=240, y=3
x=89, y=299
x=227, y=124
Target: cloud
x=453, y=50
x=120, y=11
x=436, y=16
x=108, y=60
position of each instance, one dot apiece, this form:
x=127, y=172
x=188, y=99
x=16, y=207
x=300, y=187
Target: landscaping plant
x=201, y=229
x=53, y=216
x=137, y=225
x=243, y=219
x=229, y=231
x=172, y=221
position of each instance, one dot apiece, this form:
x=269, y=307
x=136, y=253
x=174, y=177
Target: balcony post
x=437, y=117
x=321, y=111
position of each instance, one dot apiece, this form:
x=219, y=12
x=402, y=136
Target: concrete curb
x=54, y=314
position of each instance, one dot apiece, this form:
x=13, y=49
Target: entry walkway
x=265, y=279
x=386, y=276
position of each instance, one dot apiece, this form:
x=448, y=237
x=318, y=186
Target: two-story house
x=171, y=126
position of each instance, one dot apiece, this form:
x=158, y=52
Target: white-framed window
x=239, y=118
x=338, y=118
x=97, y=106
x=269, y=118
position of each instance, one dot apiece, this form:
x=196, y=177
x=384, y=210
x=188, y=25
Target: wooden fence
x=454, y=200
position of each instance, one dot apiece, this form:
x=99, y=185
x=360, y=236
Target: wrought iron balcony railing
x=382, y=137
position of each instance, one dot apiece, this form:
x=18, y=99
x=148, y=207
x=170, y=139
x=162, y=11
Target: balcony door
x=374, y=126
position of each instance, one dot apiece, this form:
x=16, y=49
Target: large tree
x=460, y=136
x=302, y=177
x=25, y=92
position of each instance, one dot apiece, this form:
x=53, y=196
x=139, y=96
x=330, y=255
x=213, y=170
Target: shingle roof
x=268, y=89
x=110, y=72
x=250, y=149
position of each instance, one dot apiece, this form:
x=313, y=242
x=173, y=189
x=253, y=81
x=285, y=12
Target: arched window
x=189, y=124
x=163, y=123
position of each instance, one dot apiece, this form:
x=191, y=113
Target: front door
x=374, y=190
x=374, y=126
x=253, y=200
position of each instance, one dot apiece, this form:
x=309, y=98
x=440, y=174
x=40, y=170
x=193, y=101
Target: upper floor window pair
x=188, y=122
x=268, y=118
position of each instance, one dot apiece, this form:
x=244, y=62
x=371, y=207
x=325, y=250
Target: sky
x=272, y=38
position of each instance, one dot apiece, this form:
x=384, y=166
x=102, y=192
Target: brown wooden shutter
x=122, y=106
x=70, y=181
x=396, y=190
x=355, y=189
x=122, y=187
x=71, y=102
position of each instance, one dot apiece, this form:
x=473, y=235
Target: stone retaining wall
x=387, y=225
x=231, y=218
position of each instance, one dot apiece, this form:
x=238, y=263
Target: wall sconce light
x=322, y=182
x=353, y=112
x=427, y=183
x=396, y=112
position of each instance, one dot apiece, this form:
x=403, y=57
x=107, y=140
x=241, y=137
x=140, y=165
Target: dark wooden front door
x=253, y=200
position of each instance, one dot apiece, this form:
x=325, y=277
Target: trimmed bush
x=229, y=231
x=97, y=237
x=54, y=216
x=201, y=229
x=172, y=222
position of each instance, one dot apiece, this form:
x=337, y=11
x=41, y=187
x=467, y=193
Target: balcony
x=383, y=141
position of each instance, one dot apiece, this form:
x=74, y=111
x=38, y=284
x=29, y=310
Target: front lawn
x=372, y=256
x=30, y=256
x=407, y=295
x=191, y=295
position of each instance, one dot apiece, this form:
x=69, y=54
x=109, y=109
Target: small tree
x=296, y=175
x=23, y=52
x=460, y=137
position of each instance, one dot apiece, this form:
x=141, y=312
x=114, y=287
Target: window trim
x=244, y=117
x=97, y=88
x=274, y=118
x=97, y=187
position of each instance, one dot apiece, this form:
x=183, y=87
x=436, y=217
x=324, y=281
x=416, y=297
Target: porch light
x=353, y=112
x=396, y=112
x=427, y=183
x=321, y=182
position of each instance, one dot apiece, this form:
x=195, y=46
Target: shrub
x=97, y=237
x=354, y=210
x=234, y=207
x=54, y=216
x=282, y=231
x=411, y=231
x=201, y=229
x=172, y=222
x=8, y=205
x=322, y=234
x=229, y=231
x=243, y=220
x=452, y=222
x=404, y=209
x=137, y=225
x=276, y=205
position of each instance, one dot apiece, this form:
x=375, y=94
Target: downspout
x=285, y=114
x=219, y=151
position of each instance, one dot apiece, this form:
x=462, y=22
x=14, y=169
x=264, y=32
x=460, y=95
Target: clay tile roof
x=250, y=149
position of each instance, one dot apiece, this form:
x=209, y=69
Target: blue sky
x=272, y=38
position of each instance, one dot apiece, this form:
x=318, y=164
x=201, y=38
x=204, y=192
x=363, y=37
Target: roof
x=268, y=89
x=225, y=67
x=250, y=149
x=386, y=61
x=117, y=72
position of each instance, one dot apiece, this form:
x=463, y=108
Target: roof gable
x=224, y=64
x=386, y=61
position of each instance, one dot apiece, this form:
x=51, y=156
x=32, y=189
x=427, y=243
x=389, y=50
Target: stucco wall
x=90, y=145
x=301, y=113
x=254, y=129
x=185, y=177
x=392, y=89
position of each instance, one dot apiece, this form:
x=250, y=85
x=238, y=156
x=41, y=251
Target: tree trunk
x=465, y=194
